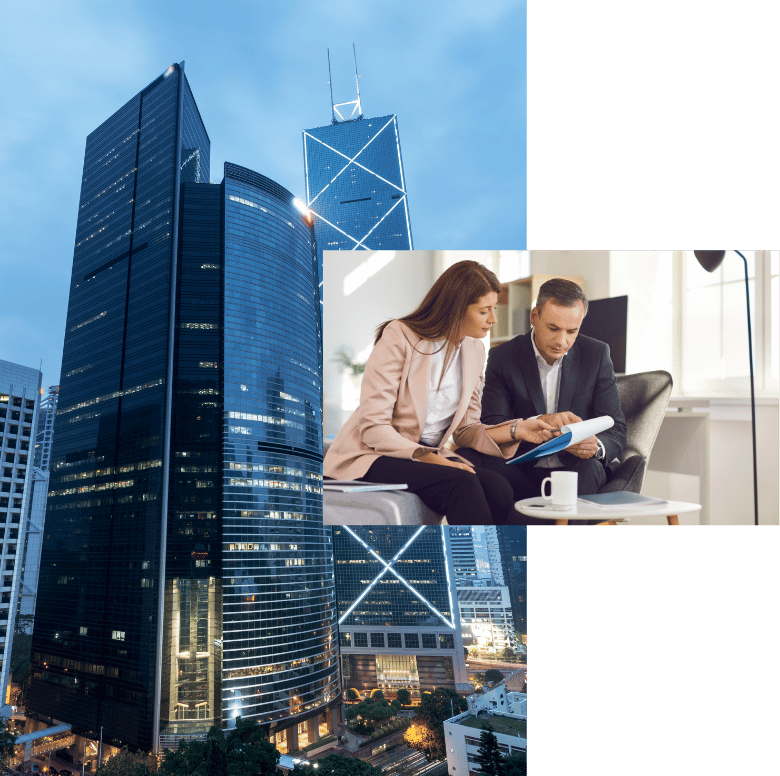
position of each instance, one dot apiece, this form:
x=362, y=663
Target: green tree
x=7, y=740
x=488, y=756
x=128, y=764
x=245, y=750
x=353, y=694
x=493, y=675
x=377, y=695
x=426, y=732
x=337, y=765
x=20, y=653
x=515, y=765
x=404, y=696
x=350, y=713
x=507, y=653
x=426, y=740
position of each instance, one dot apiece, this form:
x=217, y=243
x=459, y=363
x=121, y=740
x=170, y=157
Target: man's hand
x=559, y=419
x=585, y=449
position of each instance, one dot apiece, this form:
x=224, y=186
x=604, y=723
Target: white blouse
x=443, y=399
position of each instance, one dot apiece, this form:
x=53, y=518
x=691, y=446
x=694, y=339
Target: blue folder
x=550, y=447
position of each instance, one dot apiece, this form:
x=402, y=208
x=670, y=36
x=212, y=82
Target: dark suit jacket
x=588, y=389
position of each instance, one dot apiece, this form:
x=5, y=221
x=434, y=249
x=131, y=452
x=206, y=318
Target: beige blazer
x=394, y=405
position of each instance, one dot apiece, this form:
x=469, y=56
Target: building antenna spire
x=330, y=83
x=357, y=83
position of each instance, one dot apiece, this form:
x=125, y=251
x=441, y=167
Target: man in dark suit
x=553, y=373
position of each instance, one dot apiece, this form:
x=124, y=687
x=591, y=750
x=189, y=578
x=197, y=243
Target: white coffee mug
x=563, y=489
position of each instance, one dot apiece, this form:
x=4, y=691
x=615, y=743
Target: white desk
x=683, y=447
x=582, y=511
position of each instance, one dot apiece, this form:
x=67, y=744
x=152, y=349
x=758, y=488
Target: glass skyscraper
x=185, y=576
x=399, y=625
x=355, y=185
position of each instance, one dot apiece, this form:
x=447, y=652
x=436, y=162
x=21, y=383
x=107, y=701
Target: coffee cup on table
x=563, y=489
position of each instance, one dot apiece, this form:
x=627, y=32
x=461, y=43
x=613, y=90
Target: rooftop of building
x=501, y=723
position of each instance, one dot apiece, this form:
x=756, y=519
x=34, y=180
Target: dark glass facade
x=397, y=581
x=513, y=546
x=280, y=650
x=355, y=186
x=185, y=575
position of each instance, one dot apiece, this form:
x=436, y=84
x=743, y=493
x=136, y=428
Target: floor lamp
x=711, y=260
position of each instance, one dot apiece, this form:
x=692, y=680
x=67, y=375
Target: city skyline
x=466, y=183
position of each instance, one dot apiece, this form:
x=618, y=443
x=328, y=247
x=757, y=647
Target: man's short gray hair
x=563, y=292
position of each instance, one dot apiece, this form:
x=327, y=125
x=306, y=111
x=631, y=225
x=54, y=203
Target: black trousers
x=526, y=479
x=466, y=498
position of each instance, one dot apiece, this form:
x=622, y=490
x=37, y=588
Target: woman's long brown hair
x=441, y=312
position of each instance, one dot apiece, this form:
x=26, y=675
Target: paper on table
x=571, y=434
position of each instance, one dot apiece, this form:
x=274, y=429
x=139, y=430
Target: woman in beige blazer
x=422, y=385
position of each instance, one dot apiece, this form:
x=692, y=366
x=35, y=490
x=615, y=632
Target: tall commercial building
x=463, y=556
x=507, y=550
x=185, y=576
x=355, y=183
x=398, y=611
x=486, y=615
x=19, y=392
x=39, y=489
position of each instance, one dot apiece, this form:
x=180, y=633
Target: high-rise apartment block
x=19, y=393
x=355, y=183
x=463, y=556
x=186, y=578
x=398, y=610
x=39, y=489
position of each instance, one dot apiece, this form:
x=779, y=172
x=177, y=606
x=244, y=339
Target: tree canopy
x=7, y=740
x=426, y=732
x=244, y=751
x=404, y=696
x=128, y=764
x=494, y=675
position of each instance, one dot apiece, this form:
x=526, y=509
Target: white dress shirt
x=550, y=377
x=443, y=399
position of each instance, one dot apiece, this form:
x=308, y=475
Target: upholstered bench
x=385, y=507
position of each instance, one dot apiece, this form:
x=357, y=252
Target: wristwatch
x=512, y=431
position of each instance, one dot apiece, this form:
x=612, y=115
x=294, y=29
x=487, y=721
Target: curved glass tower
x=185, y=577
x=280, y=651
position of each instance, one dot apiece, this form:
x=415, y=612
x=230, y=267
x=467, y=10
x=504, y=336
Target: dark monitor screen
x=607, y=320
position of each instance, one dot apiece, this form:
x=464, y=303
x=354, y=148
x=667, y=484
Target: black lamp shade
x=710, y=260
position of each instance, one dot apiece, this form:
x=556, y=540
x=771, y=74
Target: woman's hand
x=535, y=430
x=442, y=461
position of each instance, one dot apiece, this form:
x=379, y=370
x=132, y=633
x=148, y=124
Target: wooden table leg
x=672, y=520
x=561, y=521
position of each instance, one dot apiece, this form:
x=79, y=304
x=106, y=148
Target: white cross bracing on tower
x=312, y=200
x=388, y=567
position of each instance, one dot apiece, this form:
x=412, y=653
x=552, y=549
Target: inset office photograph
x=581, y=387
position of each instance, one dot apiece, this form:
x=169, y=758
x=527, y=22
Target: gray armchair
x=644, y=398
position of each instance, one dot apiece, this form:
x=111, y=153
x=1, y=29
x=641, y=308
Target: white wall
x=592, y=266
x=362, y=289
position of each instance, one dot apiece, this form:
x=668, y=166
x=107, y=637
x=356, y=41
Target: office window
x=118, y=635
x=713, y=324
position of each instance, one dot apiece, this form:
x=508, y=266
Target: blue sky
x=454, y=72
